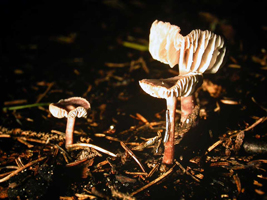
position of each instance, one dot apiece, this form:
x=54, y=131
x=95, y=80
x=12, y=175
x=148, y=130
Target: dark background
x=31, y=56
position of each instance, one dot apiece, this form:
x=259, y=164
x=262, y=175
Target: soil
x=52, y=51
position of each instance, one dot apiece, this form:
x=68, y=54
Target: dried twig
x=154, y=181
x=185, y=171
x=22, y=140
x=132, y=155
x=247, y=129
x=84, y=145
x=115, y=193
x=14, y=102
x=64, y=153
x=20, y=169
x=256, y=123
x=262, y=107
x=214, y=146
x=4, y=136
x=46, y=91
x=153, y=170
x=238, y=183
x=117, y=65
x=141, y=118
x=136, y=173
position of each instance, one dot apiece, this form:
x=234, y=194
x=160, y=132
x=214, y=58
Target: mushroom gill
x=199, y=51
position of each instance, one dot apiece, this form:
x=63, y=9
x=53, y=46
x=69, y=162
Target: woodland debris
x=132, y=155
x=154, y=181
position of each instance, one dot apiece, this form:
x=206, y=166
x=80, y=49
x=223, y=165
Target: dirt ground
x=98, y=50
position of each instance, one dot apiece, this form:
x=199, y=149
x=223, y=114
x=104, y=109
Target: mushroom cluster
x=197, y=53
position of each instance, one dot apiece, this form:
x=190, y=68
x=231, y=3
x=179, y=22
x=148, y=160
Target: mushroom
x=171, y=88
x=70, y=108
x=197, y=53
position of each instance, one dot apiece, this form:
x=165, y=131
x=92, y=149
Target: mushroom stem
x=169, y=144
x=187, y=107
x=69, y=131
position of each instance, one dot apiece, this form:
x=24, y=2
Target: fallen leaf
x=214, y=90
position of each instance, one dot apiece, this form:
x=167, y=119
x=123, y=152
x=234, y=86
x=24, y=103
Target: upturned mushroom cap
x=71, y=107
x=162, y=45
x=182, y=86
x=199, y=51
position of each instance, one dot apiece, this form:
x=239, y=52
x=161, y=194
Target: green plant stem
x=24, y=106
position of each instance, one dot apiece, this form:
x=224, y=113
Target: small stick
x=5, y=174
x=185, y=171
x=57, y=132
x=247, y=129
x=117, y=65
x=34, y=140
x=21, y=140
x=112, y=138
x=19, y=101
x=5, y=136
x=256, y=123
x=64, y=153
x=154, y=181
x=214, y=146
x=20, y=169
x=136, y=173
x=132, y=155
x=141, y=118
x=46, y=91
x=153, y=170
x=81, y=145
x=105, y=162
x=115, y=193
x=87, y=91
x=81, y=196
x=253, y=99
x=19, y=162
x=238, y=183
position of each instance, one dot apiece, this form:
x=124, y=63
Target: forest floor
x=98, y=50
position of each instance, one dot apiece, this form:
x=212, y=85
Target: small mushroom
x=70, y=108
x=197, y=53
x=169, y=89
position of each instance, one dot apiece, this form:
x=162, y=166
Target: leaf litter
x=117, y=150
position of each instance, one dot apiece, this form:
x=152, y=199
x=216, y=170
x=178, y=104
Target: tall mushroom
x=170, y=89
x=70, y=108
x=196, y=53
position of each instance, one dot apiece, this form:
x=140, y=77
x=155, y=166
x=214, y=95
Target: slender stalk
x=69, y=131
x=187, y=106
x=169, y=144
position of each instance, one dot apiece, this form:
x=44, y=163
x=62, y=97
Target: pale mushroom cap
x=203, y=52
x=182, y=86
x=57, y=111
x=71, y=107
x=161, y=41
x=199, y=51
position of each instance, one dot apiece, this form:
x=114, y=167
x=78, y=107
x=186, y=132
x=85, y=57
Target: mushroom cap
x=182, y=85
x=162, y=45
x=199, y=51
x=71, y=107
